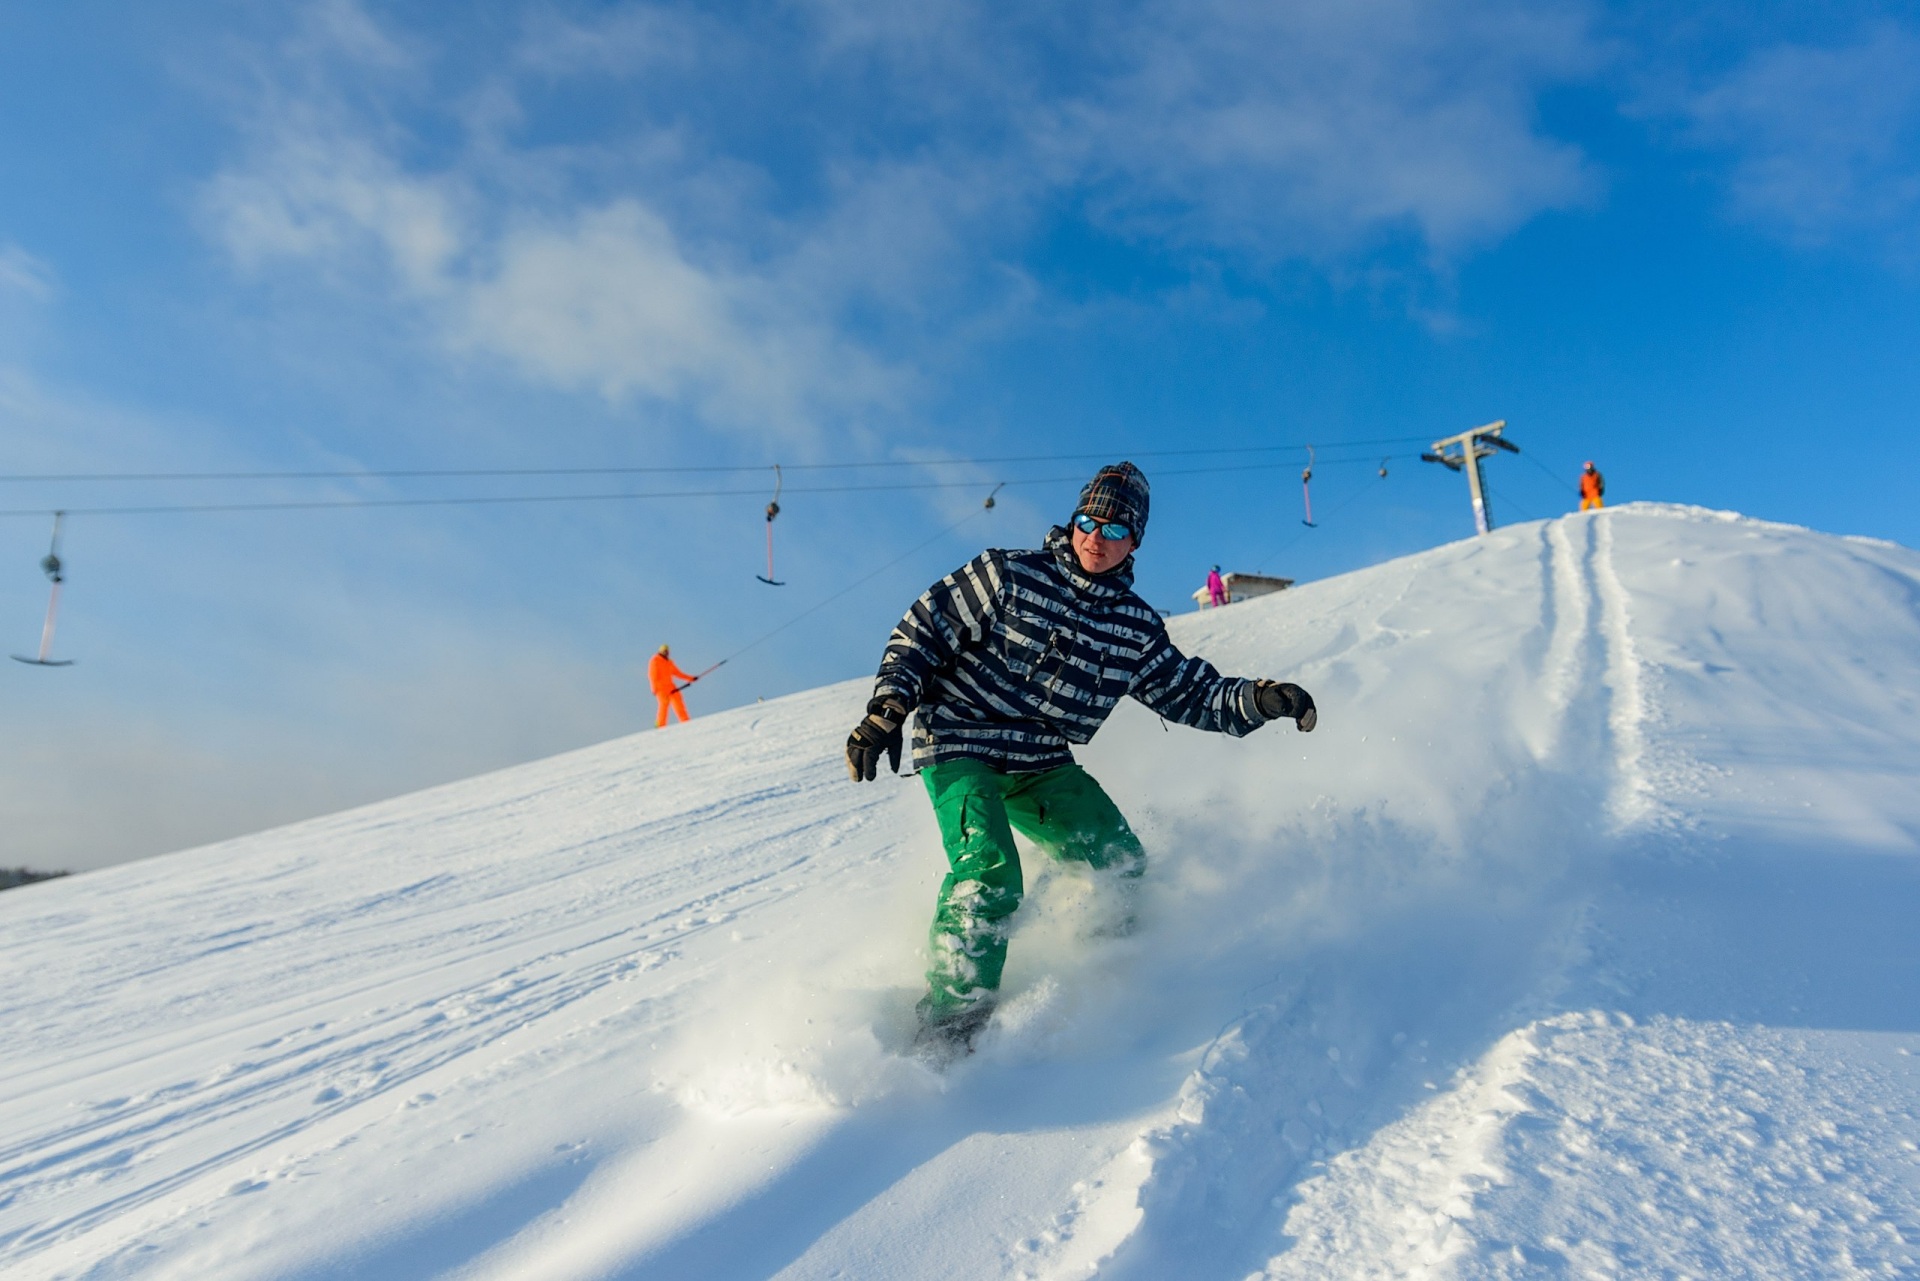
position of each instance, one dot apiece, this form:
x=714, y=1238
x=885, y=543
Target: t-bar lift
x=1463, y=453
x=56, y=573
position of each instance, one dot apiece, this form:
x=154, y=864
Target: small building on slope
x=1245, y=587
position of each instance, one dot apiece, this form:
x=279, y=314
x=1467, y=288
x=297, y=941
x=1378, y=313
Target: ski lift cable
x=816, y=607
x=1288, y=545
x=821, y=604
x=740, y=469
x=1506, y=502
x=485, y=500
x=1558, y=479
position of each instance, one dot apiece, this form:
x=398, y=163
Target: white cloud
x=610, y=300
x=776, y=275
x=325, y=198
x=1316, y=128
x=1309, y=129
x=622, y=41
x=602, y=298
x=1823, y=139
x=24, y=276
x=344, y=29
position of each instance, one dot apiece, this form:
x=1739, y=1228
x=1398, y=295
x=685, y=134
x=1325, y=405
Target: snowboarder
x=1009, y=660
x=1593, y=487
x=662, y=672
x=1216, y=588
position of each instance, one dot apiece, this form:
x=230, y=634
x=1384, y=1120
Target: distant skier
x=1593, y=487
x=1009, y=660
x=1216, y=588
x=662, y=672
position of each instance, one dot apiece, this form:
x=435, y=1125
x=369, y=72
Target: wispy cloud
x=24, y=276
x=609, y=299
x=1275, y=131
x=603, y=297
x=511, y=254
x=777, y=275
x=1824, y=141
x=28, y=285
x=1318, y=129
x=619, y=42
x=332, y=200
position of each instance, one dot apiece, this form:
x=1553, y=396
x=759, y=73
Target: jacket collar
x=1111, y=585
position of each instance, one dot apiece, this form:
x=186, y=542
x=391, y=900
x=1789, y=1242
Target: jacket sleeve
x=954, y=614
x=1190, y=691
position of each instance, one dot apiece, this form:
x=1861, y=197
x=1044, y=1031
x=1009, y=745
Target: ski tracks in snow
x=1566, y=604
x=1744, y=1154
x=334, y=1059
x=1280, y=1107
x=1593, y=1144
x=1633, y=803
x=1587, y=614
x=1314, y=1068
x=244, y=1042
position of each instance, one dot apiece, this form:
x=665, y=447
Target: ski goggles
x=1111, y=530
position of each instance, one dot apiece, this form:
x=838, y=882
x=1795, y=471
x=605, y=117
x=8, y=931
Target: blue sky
x=354, y=237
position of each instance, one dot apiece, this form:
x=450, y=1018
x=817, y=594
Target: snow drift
x=1577, y=940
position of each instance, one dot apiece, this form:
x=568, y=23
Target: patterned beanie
x=1118, y=492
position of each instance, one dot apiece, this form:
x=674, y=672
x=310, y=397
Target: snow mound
x=1577, y=941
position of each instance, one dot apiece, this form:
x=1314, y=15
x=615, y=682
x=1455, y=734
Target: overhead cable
x=483, y=500
x=478, y=472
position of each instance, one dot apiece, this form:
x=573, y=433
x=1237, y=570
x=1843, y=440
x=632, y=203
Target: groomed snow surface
x=1579, y=940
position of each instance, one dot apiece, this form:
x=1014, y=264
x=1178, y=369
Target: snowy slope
x=1576, y=941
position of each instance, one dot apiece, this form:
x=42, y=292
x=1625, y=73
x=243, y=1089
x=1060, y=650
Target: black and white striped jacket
x=1017, y=654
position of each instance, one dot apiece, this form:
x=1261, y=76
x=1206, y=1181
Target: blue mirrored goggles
x=1111, y=530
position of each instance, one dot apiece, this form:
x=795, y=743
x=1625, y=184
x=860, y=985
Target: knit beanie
x=1118, y=492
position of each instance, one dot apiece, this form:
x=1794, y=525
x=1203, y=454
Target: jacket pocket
x=1026, y=645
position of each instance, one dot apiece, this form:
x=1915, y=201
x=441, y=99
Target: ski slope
x=1577, y=941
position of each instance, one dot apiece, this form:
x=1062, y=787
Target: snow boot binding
x=946, y=1036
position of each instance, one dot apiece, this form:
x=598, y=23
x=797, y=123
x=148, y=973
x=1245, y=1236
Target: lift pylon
x=1463, y=453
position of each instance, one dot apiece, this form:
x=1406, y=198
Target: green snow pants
x=1061, y=810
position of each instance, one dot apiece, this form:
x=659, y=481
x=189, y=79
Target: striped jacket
x=1017, y=654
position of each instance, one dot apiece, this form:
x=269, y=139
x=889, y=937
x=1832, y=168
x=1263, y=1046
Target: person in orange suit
x=662, y=672
x=1593, y=487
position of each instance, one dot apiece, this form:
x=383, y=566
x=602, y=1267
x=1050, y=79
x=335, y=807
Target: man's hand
x=1281, y=698
x=879, y=732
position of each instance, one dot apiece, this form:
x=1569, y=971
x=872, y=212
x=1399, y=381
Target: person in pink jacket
x=1216, y=588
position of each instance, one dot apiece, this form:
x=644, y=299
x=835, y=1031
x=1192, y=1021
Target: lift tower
x=1463, y=453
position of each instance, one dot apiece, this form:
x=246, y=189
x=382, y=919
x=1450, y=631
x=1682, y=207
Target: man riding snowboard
x=1009, y=660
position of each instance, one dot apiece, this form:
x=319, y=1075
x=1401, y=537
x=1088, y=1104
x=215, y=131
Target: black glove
x=880, y=731
x=1281, y=698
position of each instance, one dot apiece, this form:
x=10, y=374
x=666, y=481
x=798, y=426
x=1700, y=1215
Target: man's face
x=1096, y=554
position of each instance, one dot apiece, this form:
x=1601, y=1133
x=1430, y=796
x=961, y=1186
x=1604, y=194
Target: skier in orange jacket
x=662, y=672
x=1593, y=487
